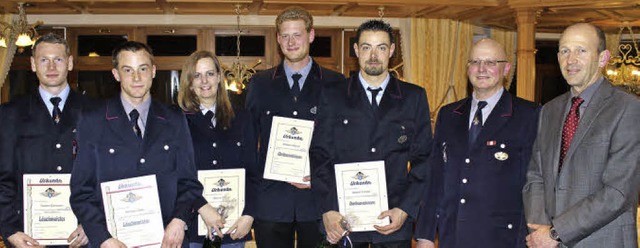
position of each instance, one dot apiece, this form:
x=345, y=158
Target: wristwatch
x=553, y=234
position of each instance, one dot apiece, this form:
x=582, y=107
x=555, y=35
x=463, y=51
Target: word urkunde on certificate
x=224, y=190
x=288, y=151
x=362, y=194
x=132, y=210
x=47, y=213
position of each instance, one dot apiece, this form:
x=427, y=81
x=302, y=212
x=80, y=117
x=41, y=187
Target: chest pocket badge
x=502, y=156
x=402, y=139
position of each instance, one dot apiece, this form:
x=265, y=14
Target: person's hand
x=397, y=217
x=242, y=226
x=112, y=243
x=540, y=237
x=423, y=243
x=331, y=221
x=212, y=219
x=173, y=234
x=78, y=238
x=303, y=185
x=21, y=239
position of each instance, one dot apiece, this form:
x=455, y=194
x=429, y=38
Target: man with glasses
x=481, y=150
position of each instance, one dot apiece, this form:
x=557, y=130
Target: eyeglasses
x=488, y=62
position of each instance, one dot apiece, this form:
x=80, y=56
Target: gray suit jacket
x=592, y=202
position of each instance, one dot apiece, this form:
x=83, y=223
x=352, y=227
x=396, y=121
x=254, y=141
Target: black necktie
x=374, y=94
x=134, y=115
x=56, y=109
x=295, y=89
x=476, y=124
x=209, y=116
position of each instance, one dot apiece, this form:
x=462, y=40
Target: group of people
x=499, y=171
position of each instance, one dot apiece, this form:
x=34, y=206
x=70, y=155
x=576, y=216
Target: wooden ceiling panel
x=212, y=2
x=110, y=1
x=554, y=14
x=396, y=2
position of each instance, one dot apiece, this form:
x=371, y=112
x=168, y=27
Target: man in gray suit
x=583, y=179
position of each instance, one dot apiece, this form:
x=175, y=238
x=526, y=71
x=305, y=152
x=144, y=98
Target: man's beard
x=373, y=70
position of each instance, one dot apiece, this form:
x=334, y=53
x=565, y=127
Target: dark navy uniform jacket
x=31, y=143
x=347, y=131
x=110, y=150
x=221, y=148
x=268, y=96
x=475, y=199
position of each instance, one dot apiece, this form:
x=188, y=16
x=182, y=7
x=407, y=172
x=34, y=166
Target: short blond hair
x=295, y=13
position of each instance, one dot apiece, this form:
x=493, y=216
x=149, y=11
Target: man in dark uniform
x=479, y=161
x=372, y=117
x=291, y=90
x=38, y=135
x=132, y=135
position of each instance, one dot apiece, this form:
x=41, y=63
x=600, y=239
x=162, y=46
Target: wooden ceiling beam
x=166, y=7
x=255, y=7
x=470, y=13
x=429, y=10
x=396, y=2
x=611, y=14
x=567, y=3
x=7, y=7
x=340, y=10
x=78, y=8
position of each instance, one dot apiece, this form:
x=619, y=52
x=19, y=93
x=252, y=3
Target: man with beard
x=290, y=90
x=480, y=158
x=582, y=183
x=373, y=117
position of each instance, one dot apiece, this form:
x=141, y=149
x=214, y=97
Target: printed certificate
x=362, y=194
x=47, y=213
x=132, y=210
x=288, y=151
x=224, y=190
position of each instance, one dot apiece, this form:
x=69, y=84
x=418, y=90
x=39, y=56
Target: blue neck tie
x=134, y=115
x=56, y=109
x=476, y=124
x=295, y=89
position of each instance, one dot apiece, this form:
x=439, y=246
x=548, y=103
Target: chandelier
x=237, y=76
x=20, y=28
x=623, y=70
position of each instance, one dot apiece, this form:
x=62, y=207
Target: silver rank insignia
x=314, y=110
x=402, y=139
x=502, y=156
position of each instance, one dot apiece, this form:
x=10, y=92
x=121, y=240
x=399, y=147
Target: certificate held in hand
x=47, y=213
x=362, y=194
x=224, y=190
x=288, y=151
x=132, y=210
